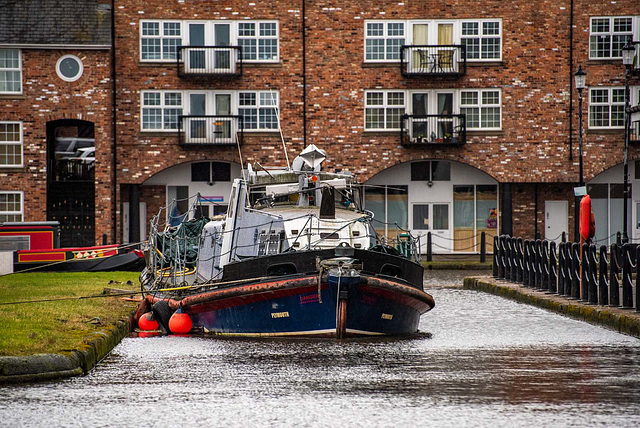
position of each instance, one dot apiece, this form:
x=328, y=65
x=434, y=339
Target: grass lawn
x=52, y=327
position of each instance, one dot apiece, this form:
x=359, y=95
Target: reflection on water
x=488, y=362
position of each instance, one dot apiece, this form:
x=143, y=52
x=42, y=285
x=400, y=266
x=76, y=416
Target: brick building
x=461, y=117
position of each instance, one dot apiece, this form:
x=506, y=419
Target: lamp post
x=628, y=52
x=580, y=78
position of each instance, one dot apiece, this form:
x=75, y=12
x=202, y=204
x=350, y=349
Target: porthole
x=69, y=68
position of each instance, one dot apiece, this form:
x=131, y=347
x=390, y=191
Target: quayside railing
x=605, y=275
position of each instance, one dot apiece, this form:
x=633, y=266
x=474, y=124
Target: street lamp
x=628, y=52
x=580, y=78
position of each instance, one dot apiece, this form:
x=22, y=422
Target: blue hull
x=293, y=308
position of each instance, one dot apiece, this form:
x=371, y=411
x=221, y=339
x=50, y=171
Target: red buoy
x=147, y=322
x=180, y=322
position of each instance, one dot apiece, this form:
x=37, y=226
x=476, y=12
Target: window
x=383, y=40
x=11, y=208
x=258, y=110
x=159, y=40
x=482, y=39
x=258, y=40
x=69, y=68
x=608, y=35
x=10, y=144
x=384, y=109
x=10, y=71
x=481, y=108
x=606, y=108
x=160, y=110
x=431, y=171
x=210, y=172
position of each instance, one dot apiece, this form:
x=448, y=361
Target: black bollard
x=575, y=268
x=627, y=287
x=496, y=248
x=614, y=271
x=603, y=288
x=553, y=268
x=593, y=282
x=561, y=263
x=483, y=247
x=584, y=273
x=429, y=248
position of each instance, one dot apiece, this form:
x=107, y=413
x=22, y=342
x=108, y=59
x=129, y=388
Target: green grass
x=59, y=326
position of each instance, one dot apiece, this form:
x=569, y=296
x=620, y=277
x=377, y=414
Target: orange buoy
x=147, y=322
x=180, y=322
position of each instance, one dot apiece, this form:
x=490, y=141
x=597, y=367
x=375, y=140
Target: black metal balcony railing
x=209, y=61
x=634, y=132
x=433, y=60
x=433, y=129
x=210, y=130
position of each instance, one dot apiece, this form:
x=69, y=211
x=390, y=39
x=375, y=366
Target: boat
x=34, y=246
x=294, y=255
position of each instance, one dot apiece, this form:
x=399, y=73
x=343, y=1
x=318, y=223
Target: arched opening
x=71, y=180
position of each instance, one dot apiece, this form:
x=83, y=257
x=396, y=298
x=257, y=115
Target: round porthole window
x=69, y=68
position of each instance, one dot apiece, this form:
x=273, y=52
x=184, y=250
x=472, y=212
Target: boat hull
x=293, y=307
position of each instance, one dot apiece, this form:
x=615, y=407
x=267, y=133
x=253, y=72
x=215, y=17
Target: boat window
x=282, y=269
x=327, y=235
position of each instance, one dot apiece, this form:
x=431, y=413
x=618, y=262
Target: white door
x=556, y=220
x=434, y=218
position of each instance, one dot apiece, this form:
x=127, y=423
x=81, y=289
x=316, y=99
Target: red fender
x=587, y=221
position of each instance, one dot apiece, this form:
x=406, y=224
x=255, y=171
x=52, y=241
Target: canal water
x=481, y=361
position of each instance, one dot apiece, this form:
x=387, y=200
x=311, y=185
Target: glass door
x=420, y=129
x=223, y=125
x=223, y=58
x=434, y=218
x=197, y=130
x=445, y=118
x=420, y=59
x=195, y=58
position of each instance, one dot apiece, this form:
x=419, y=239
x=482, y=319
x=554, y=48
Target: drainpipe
x=571, y=81
x=304, y=75
x=114, y=145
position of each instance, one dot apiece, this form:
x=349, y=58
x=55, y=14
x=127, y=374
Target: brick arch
x=424, y=158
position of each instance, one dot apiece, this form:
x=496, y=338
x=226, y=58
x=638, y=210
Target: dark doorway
x=71, y=180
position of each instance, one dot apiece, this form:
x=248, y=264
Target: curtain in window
x=420, y=37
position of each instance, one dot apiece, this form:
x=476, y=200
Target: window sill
x=173, y=63
x=380, y=133
x=16, y=96
x=604, y=131
x=158, y=133
x=498, y=132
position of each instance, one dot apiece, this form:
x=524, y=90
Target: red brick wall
x=46, y=97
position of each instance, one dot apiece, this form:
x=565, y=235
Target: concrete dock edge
x=625, y=321
x=75, y=362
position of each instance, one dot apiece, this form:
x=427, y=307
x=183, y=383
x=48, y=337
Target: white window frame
x=264, y=100
x=11, y=143
x=14, y=69
x=433, y=35
x=162, y=37
x=482, y=37
x=163, y=107
x=61, y=74
x=609, y=103
x=234, y=37
x=7, y=213
x=481, y=106
x=634, y=34
x=385, y=37
x=261, y=100
x=385, y=106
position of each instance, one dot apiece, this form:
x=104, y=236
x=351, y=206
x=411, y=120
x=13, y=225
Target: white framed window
x=10, y=71
x=258, y=40
x=159, y=40
x=69, y=68
x=160, y=110
x=11, y=206
x=258, y=110
x=607, y=35
x=482, y=109
x=482, y=39
x=606, y=107
x=10, y=144
x=383, y=110
x=383, y=39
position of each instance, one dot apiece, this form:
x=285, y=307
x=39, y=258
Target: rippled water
x=488, y=362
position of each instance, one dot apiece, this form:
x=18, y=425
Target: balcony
x=433, y=130
x=209, y=61
x=222, y=130
x=634, y=130
x=440, y=60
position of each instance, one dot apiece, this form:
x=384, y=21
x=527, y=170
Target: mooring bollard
x=575, y=267
x=483, y=247
x=561, y=262
x=614, y=271
x=553, y=268
x=627, y=271
x=593, y=282
x=429, y=248
x=496, y=249
x=519, y=259
x=584, y=273
x=603, y=287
